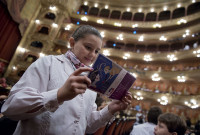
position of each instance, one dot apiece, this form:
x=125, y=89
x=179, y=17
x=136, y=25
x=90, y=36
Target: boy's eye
x=87, y=47
x=96, y=51
x=160, y=126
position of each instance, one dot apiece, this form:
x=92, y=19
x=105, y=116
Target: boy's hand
x=74, y=85
x=118, y=105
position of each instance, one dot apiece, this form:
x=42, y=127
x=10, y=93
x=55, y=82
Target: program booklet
x=109, y=78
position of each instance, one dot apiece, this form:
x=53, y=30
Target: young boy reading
x=170, y=124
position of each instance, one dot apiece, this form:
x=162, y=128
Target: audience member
x=148, y=127
x=7, y=126
x=188, y=122
x=170, y=124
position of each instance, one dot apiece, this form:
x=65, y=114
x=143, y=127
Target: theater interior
x=157, y=41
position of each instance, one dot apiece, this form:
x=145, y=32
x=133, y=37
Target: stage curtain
x=9, y=34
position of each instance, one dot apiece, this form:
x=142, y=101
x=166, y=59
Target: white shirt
x=38, y=87
x=143, y=129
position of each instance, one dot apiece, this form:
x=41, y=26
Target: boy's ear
x=174, y=133
x=71, y=42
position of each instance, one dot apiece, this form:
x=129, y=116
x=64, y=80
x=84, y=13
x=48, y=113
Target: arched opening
x=104, y=13
x=138, y=17
x=94, y=11
x=127, y=16
x=179, y=12
x=37, y=44
x=151, y=16
x=50, y=16
x=115, y=14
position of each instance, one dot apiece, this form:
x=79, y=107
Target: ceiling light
x=68, y=27
x=184, y=36
x=100, y=21
x=157, y=25
x=178, y=5
x=68, y=46
x=197, y=53
x=54, y=25
x=37, y=21
x=165, y=8
x=96, y=5
x=120, y=37
x=193, y=1
x=42, y=54
x=181, y=21
x=187, y=33
x=171, y=57
x=140, y=10
x=117, y=24
x=106, y=6
x=163, y=100
x=192, y=103
x=147, y=58
x=14, y=68
x=126, y=56
x=106, y=52
x=163, y=38
x=141, y=38
x=53, y=8
x=102, y=34
x=181, y=78
x=134, y=25
x=134, y=74
x=138, y=96
x=155, y=77
x=128, y=9
x=22, y=50
x=85, y=3
x=84, y=18
x=152, y=9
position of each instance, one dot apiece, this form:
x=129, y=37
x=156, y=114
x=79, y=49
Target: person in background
x=139, y=117
x=147, y=128
x=170, y=124
x=52, y=97
x=7, y=126
x=188, y=122
x=197, y=127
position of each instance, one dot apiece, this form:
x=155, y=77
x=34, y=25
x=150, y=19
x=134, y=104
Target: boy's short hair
x=153, y=114
x=84, y=30
x=173, y=122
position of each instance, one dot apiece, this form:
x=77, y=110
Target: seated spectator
x=170, y=124
x=148, y=127
x=139, y=118
x=188, y=122
x=7, y=126
x=197, y=125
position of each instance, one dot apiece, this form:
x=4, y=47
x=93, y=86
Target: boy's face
x=86, y=49
x=161, y=129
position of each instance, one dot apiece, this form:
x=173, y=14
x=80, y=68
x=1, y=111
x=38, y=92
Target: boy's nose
x=155, y=128
x=92, y=53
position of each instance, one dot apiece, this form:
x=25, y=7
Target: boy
x=147, y=128
x=170, y=124
x=52, y=97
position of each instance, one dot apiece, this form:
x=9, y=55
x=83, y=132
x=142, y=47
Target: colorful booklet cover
x=109, y=78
